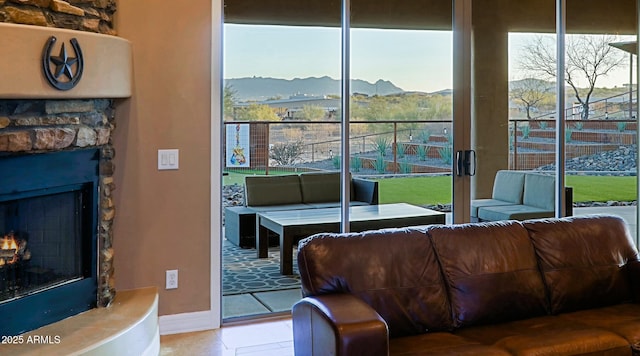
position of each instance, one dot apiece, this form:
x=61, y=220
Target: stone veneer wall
x=82, y=15
x=33, y=126
x=37, y=126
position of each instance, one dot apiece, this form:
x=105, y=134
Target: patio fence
x=415, y=147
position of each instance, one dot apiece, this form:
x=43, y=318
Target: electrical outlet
x=172, y=279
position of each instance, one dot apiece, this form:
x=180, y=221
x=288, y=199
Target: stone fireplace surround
x=35, y=118
x=39, y=126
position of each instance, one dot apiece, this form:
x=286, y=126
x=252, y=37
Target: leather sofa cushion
x=442, y=344
x=491, y=272
x=583, y=260
x=272, y=190
x=623, y=319
x=549, y=335
x=395, y=271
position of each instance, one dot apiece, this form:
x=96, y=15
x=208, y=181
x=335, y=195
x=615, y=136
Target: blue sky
x=412, y=60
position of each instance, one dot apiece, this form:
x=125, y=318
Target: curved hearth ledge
x=128, y=327
x=107, y=63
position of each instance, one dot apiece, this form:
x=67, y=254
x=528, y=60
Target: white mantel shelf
x=107, y=63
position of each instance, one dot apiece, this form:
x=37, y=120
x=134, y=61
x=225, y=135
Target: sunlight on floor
x=264, y=338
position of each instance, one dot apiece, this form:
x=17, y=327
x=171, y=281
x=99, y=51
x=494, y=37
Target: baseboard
x=187, y=322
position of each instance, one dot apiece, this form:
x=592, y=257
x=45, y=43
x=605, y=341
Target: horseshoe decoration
x=63, y=65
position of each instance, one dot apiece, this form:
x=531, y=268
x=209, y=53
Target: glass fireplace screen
x=40, y=243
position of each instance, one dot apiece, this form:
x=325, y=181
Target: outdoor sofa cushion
x=274, y=190
x=538, y=201
x=321, y=187
x=508, y=187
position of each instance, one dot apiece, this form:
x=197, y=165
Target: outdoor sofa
x=568, y=286
x=520, y=195
x=307, y=190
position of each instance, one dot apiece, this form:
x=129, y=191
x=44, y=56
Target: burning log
x=13, y=250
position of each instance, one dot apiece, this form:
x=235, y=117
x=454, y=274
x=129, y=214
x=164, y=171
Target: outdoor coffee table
x=292, y=224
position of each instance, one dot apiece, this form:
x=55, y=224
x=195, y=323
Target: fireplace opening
x=41, y=246
x=48, y=238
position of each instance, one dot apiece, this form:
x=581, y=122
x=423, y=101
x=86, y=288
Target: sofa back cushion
x=539, y=191
x=395, y=271
x=491, y=272
x=272, y=190
x=320, y=187
x=583, y=260
x=508, y=186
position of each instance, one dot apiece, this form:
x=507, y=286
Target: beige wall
x=163, y=217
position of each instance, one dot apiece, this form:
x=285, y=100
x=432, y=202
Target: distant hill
x=532, y=83
x=260, y=88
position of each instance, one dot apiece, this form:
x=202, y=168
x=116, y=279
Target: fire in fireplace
x=48, y=237
x=13, y=250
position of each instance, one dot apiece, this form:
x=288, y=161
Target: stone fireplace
x=56, y=157
x=59, y=146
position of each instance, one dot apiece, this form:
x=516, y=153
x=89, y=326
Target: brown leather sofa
x=540, y=287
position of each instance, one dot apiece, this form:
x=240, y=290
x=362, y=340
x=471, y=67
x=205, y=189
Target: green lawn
x=435, y=190
x=590, y=188
x=415, y=190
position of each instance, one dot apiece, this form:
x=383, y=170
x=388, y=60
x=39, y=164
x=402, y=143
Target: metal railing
x=532, y=145
x=421, y=146
x=377, y=147
x=616, y=107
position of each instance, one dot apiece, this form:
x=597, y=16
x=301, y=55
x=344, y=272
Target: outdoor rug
x=244, y=272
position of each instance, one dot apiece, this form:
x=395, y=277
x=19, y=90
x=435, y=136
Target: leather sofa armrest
x=338, y=324
x=365, y=190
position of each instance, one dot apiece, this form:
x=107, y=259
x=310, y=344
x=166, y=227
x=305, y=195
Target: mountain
x=531, y=83
x=260, y=88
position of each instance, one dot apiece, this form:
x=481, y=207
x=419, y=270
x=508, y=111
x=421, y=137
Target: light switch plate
x=168, y=159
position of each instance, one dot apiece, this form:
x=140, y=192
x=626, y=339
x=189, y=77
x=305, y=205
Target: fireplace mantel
x=107, y=63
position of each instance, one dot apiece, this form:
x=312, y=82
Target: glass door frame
x=462, y=106
x=462, y=99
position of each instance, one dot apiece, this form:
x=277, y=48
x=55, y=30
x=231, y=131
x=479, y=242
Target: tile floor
x=268, y=337
x=252, y=304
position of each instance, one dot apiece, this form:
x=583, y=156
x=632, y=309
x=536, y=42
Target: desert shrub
x=286, y=154
x=336, y=162
x=525, y=131
x=405, y=167
x=381, y=145
x=446, y=154
x=401, y=149
x=422, y=152
x=379, y=164
x=424, y=136
x=567, y=134
x=355, y=163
